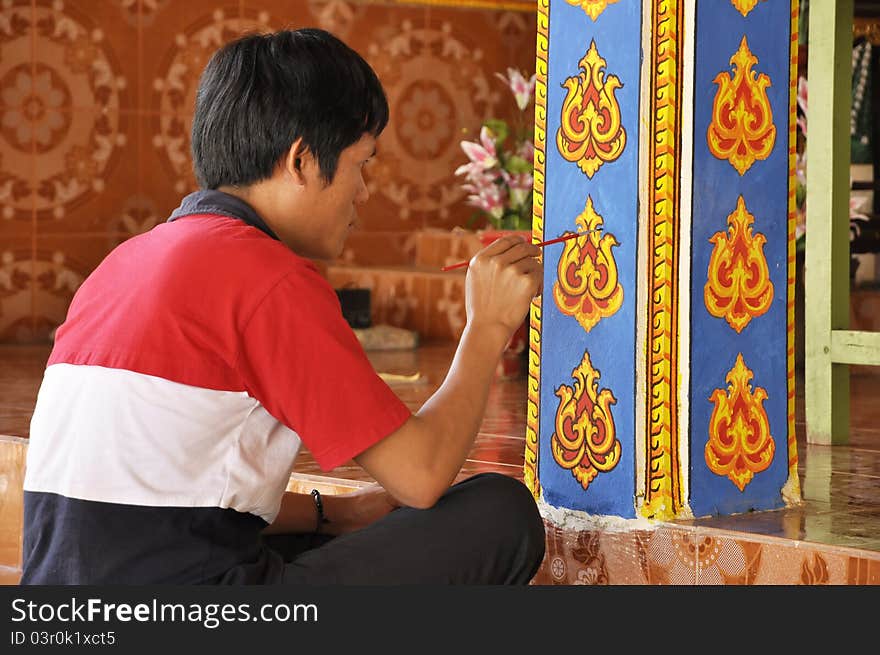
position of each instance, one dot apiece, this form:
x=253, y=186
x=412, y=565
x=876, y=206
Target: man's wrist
x=492, y=335
x=320, y=517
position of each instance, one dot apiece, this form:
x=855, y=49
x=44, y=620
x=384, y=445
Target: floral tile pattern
x=16, y=289
x=96, y=106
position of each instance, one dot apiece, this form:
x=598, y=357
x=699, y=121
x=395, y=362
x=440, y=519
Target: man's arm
x=418, y=462
x=344, y=512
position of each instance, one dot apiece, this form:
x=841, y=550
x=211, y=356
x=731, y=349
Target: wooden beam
x=850, y=347
x=826, y=265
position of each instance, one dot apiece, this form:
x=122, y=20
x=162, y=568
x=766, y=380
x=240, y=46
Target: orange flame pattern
x=744, y=6
x=587, y=285
x=738, y=287
x=584, y=440
x=741, y=129
x=592, y=7
x=590, y=131
x=740, y=443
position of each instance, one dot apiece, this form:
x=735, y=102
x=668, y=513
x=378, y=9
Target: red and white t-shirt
x=193, y=362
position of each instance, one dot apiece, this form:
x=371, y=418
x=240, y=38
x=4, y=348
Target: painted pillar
x=661, y=372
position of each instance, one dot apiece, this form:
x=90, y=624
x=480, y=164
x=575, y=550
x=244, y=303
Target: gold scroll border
x=530, y=465
x=663, y=491
x=791, y=491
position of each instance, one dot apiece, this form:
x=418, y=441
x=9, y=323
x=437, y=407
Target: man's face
x=328, y=211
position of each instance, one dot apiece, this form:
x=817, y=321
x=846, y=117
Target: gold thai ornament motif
x=590, y=132
x=741, y=129
x=592, y=7
x=585, y=441
x=738, y=287
x=744, y=6
x=740, y=443
x=530, y=460
x=587, y=285
x=662, y=474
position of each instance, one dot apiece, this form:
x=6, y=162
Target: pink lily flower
x=522, y=89
x=802, y=103
x=527, y=150
x=482, y=154
x=490, y=199
x=520, y=186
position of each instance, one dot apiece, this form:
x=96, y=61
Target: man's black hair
x=261, y=92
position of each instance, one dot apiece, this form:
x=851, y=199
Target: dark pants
x=485, y=530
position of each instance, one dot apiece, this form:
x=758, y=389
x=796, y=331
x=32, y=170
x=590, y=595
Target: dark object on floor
x=355, y=307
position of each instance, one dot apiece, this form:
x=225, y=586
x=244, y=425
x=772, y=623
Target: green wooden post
x=826, y=266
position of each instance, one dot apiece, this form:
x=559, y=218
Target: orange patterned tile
x=863, y=570
x=473, y=44
x=178, y=38
x=397, y=297
x=87, y=51
x=378, y=248
x=164, y=168
x=26, y=109
x=556, y=567
x=365, y=26
x=428, y=75
x=388, y=38
x=446, y=311
x=178, y=41
x=282, y=14
x=61, y=265
x=784, y=564
x=664, y=555
x=438, y=247
x=726, y=561
x=593, y=555
x=741, y=559
x=85, y=172
x=16, y=290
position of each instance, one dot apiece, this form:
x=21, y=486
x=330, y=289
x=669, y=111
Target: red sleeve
x=301, y=360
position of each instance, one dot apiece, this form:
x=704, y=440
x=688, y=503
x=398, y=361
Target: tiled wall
x=95, y=111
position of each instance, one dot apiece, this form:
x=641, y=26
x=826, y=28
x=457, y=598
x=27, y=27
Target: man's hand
x=501, y=281
x=345, y=512
x=357, y=509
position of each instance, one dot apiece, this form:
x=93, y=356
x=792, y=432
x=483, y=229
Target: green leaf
x=499, y=129
x=516, y=164
x=800, y=194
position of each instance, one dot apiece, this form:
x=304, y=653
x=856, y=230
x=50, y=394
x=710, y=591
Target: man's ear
x=294, y=161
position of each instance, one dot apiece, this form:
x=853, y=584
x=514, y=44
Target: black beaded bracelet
x=320, y=519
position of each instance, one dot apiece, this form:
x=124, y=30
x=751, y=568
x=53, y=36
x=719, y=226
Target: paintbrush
x=540, y=245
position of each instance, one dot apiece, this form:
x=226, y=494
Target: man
x=198, y=356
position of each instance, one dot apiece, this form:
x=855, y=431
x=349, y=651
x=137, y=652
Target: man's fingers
x=503, y=244
x=533, y=269
x=518, y=252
